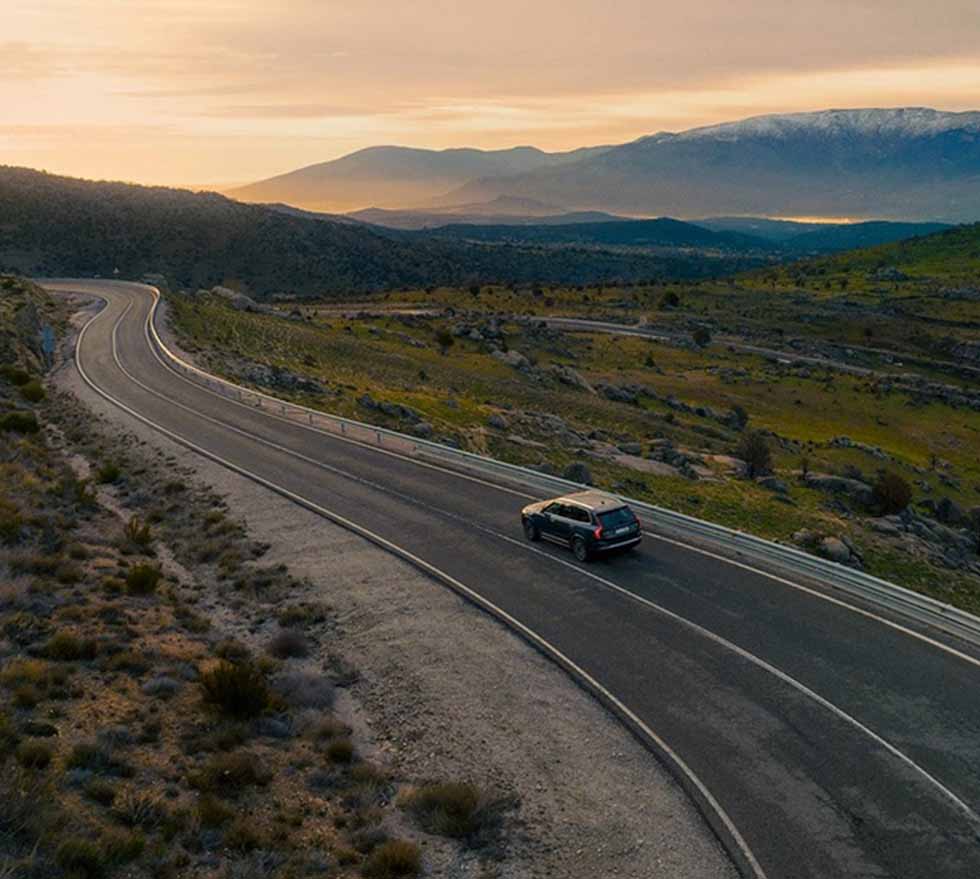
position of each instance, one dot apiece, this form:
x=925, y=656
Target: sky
x=218, y=92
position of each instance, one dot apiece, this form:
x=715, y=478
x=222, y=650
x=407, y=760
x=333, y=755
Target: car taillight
x=597, y=533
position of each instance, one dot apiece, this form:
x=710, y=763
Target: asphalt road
x=837, y=745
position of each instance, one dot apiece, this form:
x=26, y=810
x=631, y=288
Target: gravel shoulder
x=445, y=692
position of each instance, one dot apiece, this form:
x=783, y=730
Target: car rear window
x=617, y=518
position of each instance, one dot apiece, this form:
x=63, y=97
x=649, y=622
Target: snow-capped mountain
x=913, y=163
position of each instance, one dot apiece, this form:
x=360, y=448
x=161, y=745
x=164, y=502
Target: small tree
x=445, y=340
x=753, y=448
x=701, y=337
x=892, y=493
x=739, y=417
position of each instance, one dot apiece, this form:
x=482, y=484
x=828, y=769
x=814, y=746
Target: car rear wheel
x=531, y=531
x=579, y=549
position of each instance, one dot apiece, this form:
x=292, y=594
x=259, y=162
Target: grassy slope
x=458, y=392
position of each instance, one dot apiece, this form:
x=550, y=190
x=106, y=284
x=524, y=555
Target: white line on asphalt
x=700, y=630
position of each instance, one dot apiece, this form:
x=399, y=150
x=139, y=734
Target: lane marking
x=609, y=584
x=809, y=590
x=713, y=812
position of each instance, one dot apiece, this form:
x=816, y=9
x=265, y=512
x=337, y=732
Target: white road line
x=816, y=593
x=713, y=811
x=609, y=584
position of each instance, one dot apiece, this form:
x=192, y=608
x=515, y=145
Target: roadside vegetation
x=168, y=704
x=808, y=405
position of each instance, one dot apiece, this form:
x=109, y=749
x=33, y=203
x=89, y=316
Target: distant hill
x=52, y=225
x=477, y=215
x=397, y=177
x=659, y=233
x=917, y=164
x=949, y=258
x=803, y=238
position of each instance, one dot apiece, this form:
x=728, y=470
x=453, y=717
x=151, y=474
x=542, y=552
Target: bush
x=454, y=809
x=228, y=774
x=121, y=846
x=108, y=473
x=33, y=391
x=136, y=807
x=19, y=422
x=34, y=754
x=753, y=448
x=66, y=646
x=891, y=493
x=138, y=532
x=80, y=857
x=15, y=375
x=701, y=336
x=340, y=751
x=288, y=643
x=92, y=757
x=237, y=689
x=395, y=858
x=302, y=689
x=211, y=812
x=142, y=579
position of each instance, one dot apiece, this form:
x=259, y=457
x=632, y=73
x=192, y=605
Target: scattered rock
x=512, y=358
x=949, y=512
x=853, y=488
x=834, y=550
x=498, y=422
x=773, y=484
x=422, y=429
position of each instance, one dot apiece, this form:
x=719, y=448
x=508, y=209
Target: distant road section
x=834, y=745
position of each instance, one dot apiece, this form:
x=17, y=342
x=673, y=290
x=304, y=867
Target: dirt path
x=447, y=693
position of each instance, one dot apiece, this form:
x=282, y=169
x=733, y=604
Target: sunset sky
x=225, y=91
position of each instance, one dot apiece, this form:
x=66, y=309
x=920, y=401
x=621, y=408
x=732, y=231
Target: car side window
x=553, y=510
x=577, y=514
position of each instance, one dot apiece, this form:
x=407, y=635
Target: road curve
x=836, y=745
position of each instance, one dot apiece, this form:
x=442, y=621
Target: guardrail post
x=283, y=408
x=343, y=428
x=311, y=418
x=379, y=437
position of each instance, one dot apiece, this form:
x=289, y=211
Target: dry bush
x=65, y=646
x=229, y=774
x=301, y=689
x=138, y=532
x=395, y=859
x=455, y=809
x=237, y=689
x=288, y=643
x=892, y=494
x=142, y=579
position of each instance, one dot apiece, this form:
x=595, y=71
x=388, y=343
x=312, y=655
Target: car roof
x=593, y=500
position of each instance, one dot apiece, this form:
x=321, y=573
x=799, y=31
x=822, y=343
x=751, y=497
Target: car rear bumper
x=624, y=543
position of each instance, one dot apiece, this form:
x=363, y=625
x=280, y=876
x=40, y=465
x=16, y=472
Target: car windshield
x=617, y=518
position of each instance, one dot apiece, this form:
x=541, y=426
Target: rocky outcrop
x=841, y=485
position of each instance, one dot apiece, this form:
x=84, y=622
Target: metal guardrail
x=881, y=593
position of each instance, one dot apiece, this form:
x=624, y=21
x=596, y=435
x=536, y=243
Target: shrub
x=161, y=687
x=15, y=375
x=8, y=736
x=455, y=809
x=701, y=336
x=211, y=812
x=80, y=857
x=92, y=757
x=392, y=860
x=19, y=422
x=753, y=448
x=65, y=646
x=244, y=836
x=136, y=807
x=32, y=391
x=142, y=579
x=121, y=846
x=228, y=774
x=739, y=417
x=445, y=340
x=34, y=754
x=238, y=689
x=231, y=649
x=305, y=690
x=891, y=493
x=100, y=790
x=138, y=532
x=340, y=751
x=288, y=643
x=108, y=473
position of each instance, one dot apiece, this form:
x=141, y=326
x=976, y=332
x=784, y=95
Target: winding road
x=825, y=742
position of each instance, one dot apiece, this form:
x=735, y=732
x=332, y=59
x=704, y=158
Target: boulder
x=853, y=488
x=568, y=376
x=631, y=448
x=423, y=430
x=773, y=484
x=617, y=395
x=497, y=422
x=949, y=512
x=512, y=358
x=578, y=472
x=835, y=550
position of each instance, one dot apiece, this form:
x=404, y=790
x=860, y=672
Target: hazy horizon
x=182, y=93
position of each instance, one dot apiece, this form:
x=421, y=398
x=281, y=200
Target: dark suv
x=589, y=522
